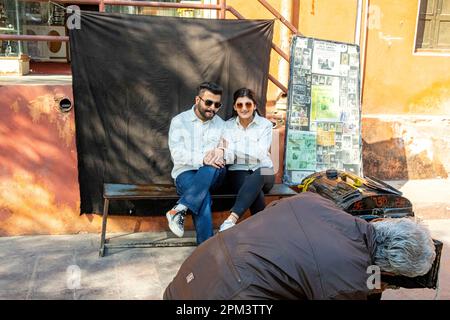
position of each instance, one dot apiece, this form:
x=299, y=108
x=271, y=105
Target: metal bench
x=113, y=191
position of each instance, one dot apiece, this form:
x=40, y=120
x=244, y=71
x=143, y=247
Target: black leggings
x=250, y=187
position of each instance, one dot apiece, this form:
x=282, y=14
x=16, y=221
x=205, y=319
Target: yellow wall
x=396, y=80
x=328, y=19
x=406, y=99
x=325, y=19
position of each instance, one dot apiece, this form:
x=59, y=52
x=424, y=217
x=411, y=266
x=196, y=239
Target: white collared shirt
x=190, y=138
x=248, y=148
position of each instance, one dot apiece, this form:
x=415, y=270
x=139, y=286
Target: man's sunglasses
x=248, y=105
x=209, y=103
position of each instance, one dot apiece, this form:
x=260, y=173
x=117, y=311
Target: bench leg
x=105, y=217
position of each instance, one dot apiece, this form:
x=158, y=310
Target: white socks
x=180, y=207
x=233, y=217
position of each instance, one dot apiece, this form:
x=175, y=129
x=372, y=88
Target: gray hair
x=403, y=247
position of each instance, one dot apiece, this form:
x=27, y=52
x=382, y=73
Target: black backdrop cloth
x=133, y=73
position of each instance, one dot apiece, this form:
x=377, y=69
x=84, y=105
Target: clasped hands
x=215, y=157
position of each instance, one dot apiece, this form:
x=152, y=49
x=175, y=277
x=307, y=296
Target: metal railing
x=222, y=8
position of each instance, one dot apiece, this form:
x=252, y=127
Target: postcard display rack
x=323, y=127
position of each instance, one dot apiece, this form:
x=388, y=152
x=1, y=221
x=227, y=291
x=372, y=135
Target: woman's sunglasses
x=209, y=103
x=248, y=105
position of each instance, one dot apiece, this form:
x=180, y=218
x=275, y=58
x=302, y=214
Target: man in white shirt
x=198, y=156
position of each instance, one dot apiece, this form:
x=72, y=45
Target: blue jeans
x=194, y=187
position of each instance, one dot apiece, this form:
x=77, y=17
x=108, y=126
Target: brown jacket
x=303, y=247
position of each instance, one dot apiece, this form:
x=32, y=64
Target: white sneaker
x=227, y=224
x=176, y=222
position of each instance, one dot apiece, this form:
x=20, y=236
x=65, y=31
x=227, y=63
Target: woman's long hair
x=241, y=93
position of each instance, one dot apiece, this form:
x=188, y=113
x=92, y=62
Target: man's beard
x=206, y=114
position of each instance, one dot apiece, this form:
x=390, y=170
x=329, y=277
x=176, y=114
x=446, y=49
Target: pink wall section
x=39, y=191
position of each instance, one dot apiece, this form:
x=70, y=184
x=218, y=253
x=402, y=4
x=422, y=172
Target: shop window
x=433, y=26
x=43, y=19
x=48, y=18
x=186, y=13
x=9, y=24
x=33, y=18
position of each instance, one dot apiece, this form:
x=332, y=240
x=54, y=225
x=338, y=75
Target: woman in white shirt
x=246, y=142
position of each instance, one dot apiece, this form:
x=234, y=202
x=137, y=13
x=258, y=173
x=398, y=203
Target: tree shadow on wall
x=389, y=160
x=386, y=160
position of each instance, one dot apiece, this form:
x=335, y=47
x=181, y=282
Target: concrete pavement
x=68, y=267
x=430, y=197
